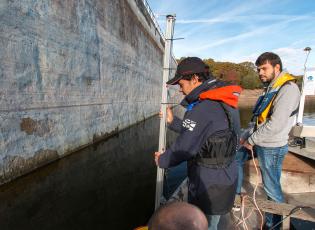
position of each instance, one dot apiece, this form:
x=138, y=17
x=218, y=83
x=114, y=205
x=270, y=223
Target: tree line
x=243, y=74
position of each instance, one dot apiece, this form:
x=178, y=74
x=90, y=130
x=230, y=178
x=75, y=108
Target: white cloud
x=293, y=59
x=253, y=33
x=241, y=18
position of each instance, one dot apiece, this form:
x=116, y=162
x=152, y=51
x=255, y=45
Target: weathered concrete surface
x=72, y=72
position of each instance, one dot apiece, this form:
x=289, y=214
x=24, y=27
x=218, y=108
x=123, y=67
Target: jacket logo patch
x=189, y=124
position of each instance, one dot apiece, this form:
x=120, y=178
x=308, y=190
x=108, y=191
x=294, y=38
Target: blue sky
x=240, y=31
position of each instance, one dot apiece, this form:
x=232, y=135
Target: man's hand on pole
x=156, y=158
x=169, y=115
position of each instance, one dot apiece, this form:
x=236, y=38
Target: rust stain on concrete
x=28, y=125
x=38, y=128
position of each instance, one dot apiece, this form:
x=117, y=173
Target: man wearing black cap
x=208, y=137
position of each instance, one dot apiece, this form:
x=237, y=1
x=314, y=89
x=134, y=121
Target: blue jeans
x=213, y=221
x=270, y=162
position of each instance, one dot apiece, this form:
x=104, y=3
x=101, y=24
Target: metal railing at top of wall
x=156, y=24
x=152, y=15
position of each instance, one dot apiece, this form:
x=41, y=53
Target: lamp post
x=302, y=100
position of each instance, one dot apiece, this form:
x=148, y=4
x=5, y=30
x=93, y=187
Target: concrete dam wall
x=72, y=72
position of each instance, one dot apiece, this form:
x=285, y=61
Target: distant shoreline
x=249, y=97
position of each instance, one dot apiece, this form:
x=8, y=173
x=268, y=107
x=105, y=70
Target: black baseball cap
x=187, y=66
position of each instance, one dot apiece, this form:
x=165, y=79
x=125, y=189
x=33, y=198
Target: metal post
x=302, y=99
x=170, y=21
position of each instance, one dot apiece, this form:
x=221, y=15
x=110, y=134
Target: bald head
x=178, y=216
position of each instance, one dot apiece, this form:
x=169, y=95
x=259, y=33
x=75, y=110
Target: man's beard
x=273, y=75
x=266, y=83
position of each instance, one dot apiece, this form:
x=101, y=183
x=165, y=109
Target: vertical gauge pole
x=170, y=21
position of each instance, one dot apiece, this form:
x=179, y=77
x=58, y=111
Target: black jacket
x=212, y=190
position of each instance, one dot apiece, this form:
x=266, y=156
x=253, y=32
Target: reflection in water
x=110, y=185
x=245, y=116
x=173, y=178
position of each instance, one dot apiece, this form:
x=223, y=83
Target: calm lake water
x=109, y=185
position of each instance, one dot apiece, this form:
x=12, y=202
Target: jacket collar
x=280, y=79
x=194, y=94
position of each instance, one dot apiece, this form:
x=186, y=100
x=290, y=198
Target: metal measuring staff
x=170, y=21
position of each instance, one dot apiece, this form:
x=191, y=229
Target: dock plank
x=283, y=209
x=296, y=163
